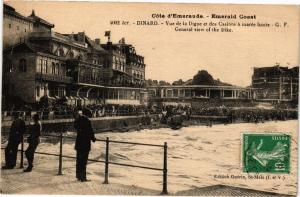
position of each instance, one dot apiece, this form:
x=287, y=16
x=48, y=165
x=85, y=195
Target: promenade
x=44, y=180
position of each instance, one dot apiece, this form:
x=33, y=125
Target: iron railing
x=106, y=161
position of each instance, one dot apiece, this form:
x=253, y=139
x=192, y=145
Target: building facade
x=276, y=83
x=42, y=63
x=196, y=94
x=16, y=27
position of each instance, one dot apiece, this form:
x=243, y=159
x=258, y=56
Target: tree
x=149, y=82
x=163, y=83
x=203, y=78
x=179, y=82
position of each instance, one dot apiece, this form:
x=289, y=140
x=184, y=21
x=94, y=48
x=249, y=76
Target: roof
x=272, y=68
x=94, y=45
x=26, y=48
x=200, y=86
x=7, y=9
x=258, y=71
x=188, y=82
x=217, y=83
x=40, y=20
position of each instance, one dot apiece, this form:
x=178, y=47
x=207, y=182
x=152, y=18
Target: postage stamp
x=266, y=153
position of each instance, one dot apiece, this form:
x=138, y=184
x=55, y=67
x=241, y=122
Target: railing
x=90, y=80
x=47, y=34
x=106, y=162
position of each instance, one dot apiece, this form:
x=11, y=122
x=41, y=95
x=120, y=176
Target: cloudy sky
x=172, y=55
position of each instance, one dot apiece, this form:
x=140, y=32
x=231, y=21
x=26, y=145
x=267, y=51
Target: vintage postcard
x=112, y=98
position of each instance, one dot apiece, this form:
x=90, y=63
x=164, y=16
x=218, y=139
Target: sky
x=171, y=55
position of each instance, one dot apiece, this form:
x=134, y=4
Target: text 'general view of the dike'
x=66, y=90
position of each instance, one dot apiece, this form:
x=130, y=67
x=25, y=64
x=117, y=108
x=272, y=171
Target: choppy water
x=195, y=155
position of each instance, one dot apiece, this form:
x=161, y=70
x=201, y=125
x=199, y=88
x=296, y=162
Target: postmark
x=266, y=153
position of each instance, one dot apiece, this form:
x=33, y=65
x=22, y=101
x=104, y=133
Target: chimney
x=97, y=41
x=81, y=37
x=109, y=45
x=32, y=13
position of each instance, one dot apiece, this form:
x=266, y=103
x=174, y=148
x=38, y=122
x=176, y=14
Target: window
x=9, y=67
x=25, y=30
x=61, y=91
x=121, y=94
x=61, y=52
x=45, y=90
x=44, y=66
x=63, y=70
x=53, y=68
x=71, y=54
x=94, y=74
x=9, y=25
x=39, y=66
x=37, y=91
x=57, y=69
x=22, y=65
x=17, y=27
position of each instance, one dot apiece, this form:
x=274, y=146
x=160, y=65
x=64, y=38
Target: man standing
x=17, y=130
x=85, y=135
x=33, y=141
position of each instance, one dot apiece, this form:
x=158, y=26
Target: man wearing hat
x=85, y=135
x=17, y=130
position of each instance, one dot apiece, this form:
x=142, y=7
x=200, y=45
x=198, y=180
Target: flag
x=107, y=33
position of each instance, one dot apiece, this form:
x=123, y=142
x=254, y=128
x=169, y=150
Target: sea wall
x=118, y=123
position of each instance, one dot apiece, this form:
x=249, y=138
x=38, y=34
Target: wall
x=99, y=124
x=14, y=29
x=23, y=82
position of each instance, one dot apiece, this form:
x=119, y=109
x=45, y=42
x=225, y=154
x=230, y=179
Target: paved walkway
x=41, y=181
x=44, y=180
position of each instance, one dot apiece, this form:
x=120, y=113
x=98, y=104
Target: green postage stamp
x=266, y=152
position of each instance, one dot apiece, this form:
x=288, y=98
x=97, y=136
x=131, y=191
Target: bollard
x=165, y=171
x=106, y=161
x=22, y=152
x=60, y=154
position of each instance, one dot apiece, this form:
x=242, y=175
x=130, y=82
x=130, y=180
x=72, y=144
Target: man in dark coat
x=17, y=130
x=85, y=135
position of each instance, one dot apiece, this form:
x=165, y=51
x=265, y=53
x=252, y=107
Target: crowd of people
x=247, y=114
x=231, y=114
x=65, y=111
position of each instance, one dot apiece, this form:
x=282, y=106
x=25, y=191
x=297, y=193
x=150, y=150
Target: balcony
x=91, y=81
x=55, y=78
x=50, y=34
